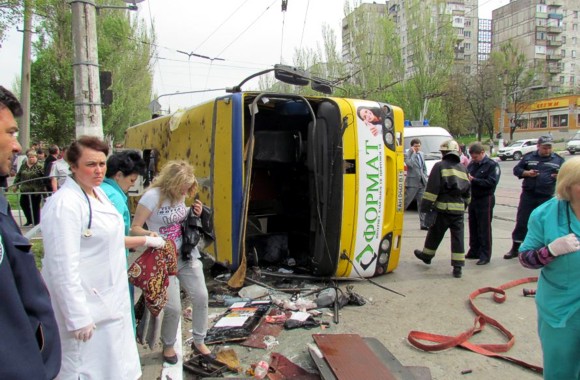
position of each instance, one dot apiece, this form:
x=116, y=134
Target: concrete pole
x=24, y=132
x=88, y=115
x=502, y=119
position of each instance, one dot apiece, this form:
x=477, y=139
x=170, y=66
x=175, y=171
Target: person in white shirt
x=59, y=172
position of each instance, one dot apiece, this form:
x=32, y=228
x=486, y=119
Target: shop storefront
x=558, y=116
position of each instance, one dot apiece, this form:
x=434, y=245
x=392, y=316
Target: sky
x=249, y=35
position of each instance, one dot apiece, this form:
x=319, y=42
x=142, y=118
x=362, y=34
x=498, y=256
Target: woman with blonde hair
x=552, y=244
x=163, y=208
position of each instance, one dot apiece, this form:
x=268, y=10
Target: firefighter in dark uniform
x=483, y=173
x=30, y=343
x=539, y=170
x=448, y=194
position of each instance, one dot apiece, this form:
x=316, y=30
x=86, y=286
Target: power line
x=284, y=7
x=248, y=27
x=220, y=25
x=304, y=25
x=155, y=62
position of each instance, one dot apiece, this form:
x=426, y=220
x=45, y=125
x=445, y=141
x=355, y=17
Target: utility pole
x=88, y=114
x=24, y=133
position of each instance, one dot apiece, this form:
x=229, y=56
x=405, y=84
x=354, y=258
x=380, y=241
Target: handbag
x=195, y=228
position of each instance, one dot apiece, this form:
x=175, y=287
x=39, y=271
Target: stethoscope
x=88, y=233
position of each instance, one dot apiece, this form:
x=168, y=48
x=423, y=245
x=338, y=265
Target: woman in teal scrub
x=123, y=169
x=552, y=244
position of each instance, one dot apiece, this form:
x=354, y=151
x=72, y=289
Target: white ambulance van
x=431, y=138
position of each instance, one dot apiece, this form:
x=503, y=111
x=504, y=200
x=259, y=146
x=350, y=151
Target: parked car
x=573, y=145
x=517, y=149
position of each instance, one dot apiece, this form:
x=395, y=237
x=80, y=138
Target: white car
x=573, y=145
x=517, y=149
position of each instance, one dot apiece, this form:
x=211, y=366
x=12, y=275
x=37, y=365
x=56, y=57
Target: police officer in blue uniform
x=483, y=173
x=29, y=340
x=539, y=170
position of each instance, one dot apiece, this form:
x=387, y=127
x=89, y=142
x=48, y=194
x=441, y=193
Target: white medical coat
x=87, y=281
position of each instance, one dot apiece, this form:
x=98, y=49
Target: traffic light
x=106, y=80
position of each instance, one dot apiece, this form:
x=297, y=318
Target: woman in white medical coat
x=85, y=271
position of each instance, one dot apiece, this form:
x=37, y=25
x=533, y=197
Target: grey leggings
x=190, y=276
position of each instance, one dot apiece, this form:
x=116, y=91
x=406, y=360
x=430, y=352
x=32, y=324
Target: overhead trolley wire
x=284, y=7
x=220, y=25
x=304, y=24
x=248, y=27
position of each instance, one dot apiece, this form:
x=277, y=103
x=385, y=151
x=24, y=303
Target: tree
x=517, y=79
x=458, y=119
x=375, y=64
x=432, y=47
x=52, y=97
x=482, y=95
x=10, y=14
x=124, y=50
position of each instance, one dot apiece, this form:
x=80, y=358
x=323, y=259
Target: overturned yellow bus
x=305, y=180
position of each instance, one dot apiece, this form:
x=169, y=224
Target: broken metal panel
x=399, y=371
x=350, y=357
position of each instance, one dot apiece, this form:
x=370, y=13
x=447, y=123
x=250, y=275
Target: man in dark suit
x=30, y=344
x=416, y=177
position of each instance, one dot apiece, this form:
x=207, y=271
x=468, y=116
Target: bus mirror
x=320, y=86
x=290, y=75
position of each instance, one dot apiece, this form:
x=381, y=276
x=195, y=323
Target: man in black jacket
x=483, y=173
x=539, y=170
x=448, y=194
x=30, y=344
x=53, y=152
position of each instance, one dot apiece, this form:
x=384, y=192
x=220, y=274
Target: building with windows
x=547, y=32
x=463, y=17
x=364, y=14
x=464, y=21
x=558, y=116
x=483, y=40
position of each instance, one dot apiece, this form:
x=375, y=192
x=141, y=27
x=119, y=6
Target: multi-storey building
x=362, y=15
x=547, y=32
x=483, y=40
x=463, y=18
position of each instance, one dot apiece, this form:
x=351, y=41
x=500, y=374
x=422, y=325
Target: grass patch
x=13, y=200
x=38, y=252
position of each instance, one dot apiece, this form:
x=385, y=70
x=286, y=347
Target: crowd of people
x=74, y=320
x=546, y=235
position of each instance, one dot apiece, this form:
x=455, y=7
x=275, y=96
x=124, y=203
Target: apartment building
x=547, y=32
x=464, y=22
x=483, y=40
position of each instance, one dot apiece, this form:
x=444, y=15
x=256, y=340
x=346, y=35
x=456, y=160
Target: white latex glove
x=85, y=333
x=563, y=245
x=154, y=242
